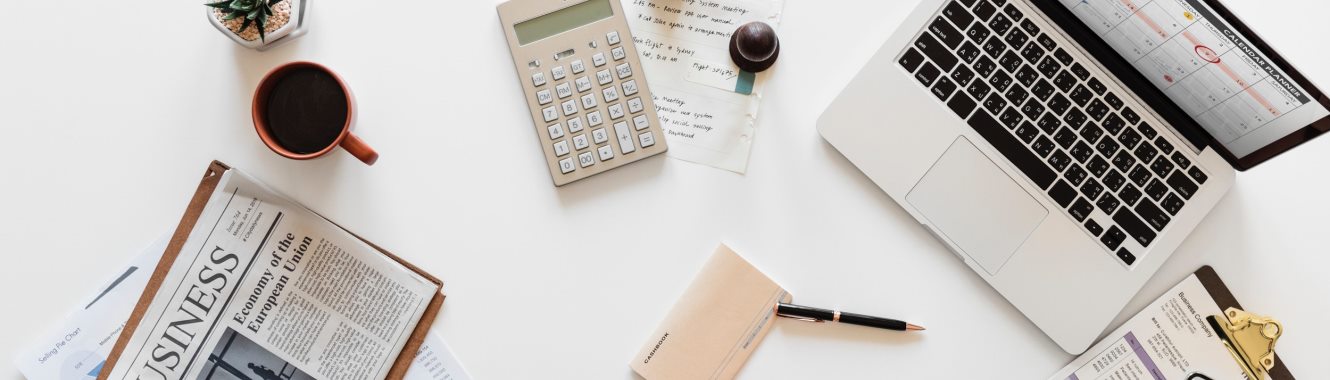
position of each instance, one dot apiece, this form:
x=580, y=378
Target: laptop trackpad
x=976, y=205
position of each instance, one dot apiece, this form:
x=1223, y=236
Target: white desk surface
x=111, y=110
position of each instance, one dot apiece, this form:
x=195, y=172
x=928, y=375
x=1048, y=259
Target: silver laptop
x=1064, y=148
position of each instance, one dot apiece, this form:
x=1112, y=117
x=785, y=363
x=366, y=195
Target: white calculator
x=584, y=85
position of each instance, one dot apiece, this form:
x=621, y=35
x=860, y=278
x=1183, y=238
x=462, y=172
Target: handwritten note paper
x=707, y=106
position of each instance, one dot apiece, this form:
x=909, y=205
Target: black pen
x=813, y=314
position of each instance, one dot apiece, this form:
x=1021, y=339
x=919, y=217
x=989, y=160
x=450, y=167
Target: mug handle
x=360, y=149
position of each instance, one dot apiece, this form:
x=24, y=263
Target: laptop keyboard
x=1055, y=121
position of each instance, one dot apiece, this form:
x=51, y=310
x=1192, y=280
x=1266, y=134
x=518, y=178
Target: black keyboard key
x=1043, y=146
x=1017, y=95
x=1113, y=124
x=1181, y=159
x=1091, y=189
x=1097, y=110
x=1113, y=101
x=946, y=33
x=1000, y=24
x=911, y=59
x=1064, y=81
x=999, y=81
x=1147, y=131
x=1114, y=238
x=1048, y=123
x=1123, y=161
x=1075, y=175
x=957, y=14
x=1172, y=204
x=1164, y=146
x=1065, y=137
x=978, y=89
x=1081, y=209
x=1016, y=39
x=967, y=3
x=977, y=33
x=994, y=103
x=1010, y=118
x=1152, y=215
x=1082, y=151
x=1107, y=146
x=1182, y=185
x=1065, y=58
x=944, y=88
x=1075, y=118
x=1062, y=193
x=1029, y=27
x=1059, y=160
x=1134, y=226
x=1097, y=86
x=1097, y=166
x=1091, y=132
x=994, y=47
x=1059, y=104
x=1162, y=167
x=1197, y=175
x=1010, y=61
x=1108, y=203
x=1114, y=180
x=1013, y=150
x=1081, y=96
x=1079, y=70
x=935, y=52
x=962, y=75
x=969, y=52
x=1129, y=138
x=1093, y=227
x=1131, y=116
x=1032, y=53
x=927, y=74
x=1146, y=153
x=1156, y=190
x=1129, y=195
x=962, y=105
x=1026, y=75
x=984, y=10
x=1032, y=109
x=1126, y=256
x=1046, y=41
x=1011, y=11
x=1026, y=132
x=1139, y=175
x=1049, y=67
x=1042, y=89
x=984, y=67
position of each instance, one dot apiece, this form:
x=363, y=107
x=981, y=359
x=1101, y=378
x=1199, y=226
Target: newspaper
x=266, y=289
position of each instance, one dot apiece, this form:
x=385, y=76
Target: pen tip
x=912, y=327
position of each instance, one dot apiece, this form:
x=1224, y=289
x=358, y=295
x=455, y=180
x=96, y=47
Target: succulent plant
x=253, y=11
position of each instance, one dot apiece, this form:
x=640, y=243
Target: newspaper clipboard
x=196, y=205
x=1249, y=338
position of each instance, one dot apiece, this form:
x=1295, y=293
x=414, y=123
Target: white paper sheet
x=696, y=87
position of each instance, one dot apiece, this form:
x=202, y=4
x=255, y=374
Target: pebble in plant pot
x=259, y=24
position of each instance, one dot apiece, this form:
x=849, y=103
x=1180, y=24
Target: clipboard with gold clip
x=1249, y=337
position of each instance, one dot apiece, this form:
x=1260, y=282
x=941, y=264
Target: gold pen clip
x=1250, y=339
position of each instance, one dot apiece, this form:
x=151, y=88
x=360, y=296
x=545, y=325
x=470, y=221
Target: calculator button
x=624, y=70
x=616, y=111
x=647, y=139
x=577, y=66
x=635, y=105
x=612, y=37
x=604, y=77
x=556, y=131
x=538, y=79
x=593, y=119
x=639, y=122
x=566, y=165
x=588, y=101
x=630, y=87
x=610, y=94
x=625, y=138
x=544, y=97
x=557, y=72
x=587, y=159
x=583, y=84
x=561, y=148
x=564, y=90
x=598, y=59
x=580, y=142
x=605, y=153
x=599, y=136
x=575, y=124
x=569, y=107
x=617, y=53
x=550, y=113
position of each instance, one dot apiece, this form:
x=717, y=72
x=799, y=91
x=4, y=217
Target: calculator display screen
x=562, y=20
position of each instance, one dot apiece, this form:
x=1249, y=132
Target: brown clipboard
x=1224, y=298
x=196, y=205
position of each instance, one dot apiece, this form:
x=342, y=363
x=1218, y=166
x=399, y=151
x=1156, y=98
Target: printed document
x=708, y=108
x=1169, y=340
x=265, y=288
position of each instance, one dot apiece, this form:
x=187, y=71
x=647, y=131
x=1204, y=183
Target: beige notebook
x=715, y=326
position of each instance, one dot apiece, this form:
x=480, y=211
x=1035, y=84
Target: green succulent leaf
x=220, y=4
x=245, y=25
x=263, y=34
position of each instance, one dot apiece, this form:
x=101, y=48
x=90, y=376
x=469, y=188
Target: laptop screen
x=1216, y=72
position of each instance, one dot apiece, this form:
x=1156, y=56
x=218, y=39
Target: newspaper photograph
x=266, y=289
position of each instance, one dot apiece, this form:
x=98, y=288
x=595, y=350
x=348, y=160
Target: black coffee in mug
x=306, y=110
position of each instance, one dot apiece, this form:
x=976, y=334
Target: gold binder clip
x=1250, y=338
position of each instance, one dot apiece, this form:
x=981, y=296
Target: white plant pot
x=295, y=27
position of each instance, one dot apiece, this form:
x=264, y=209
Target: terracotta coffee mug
x=345, y=139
